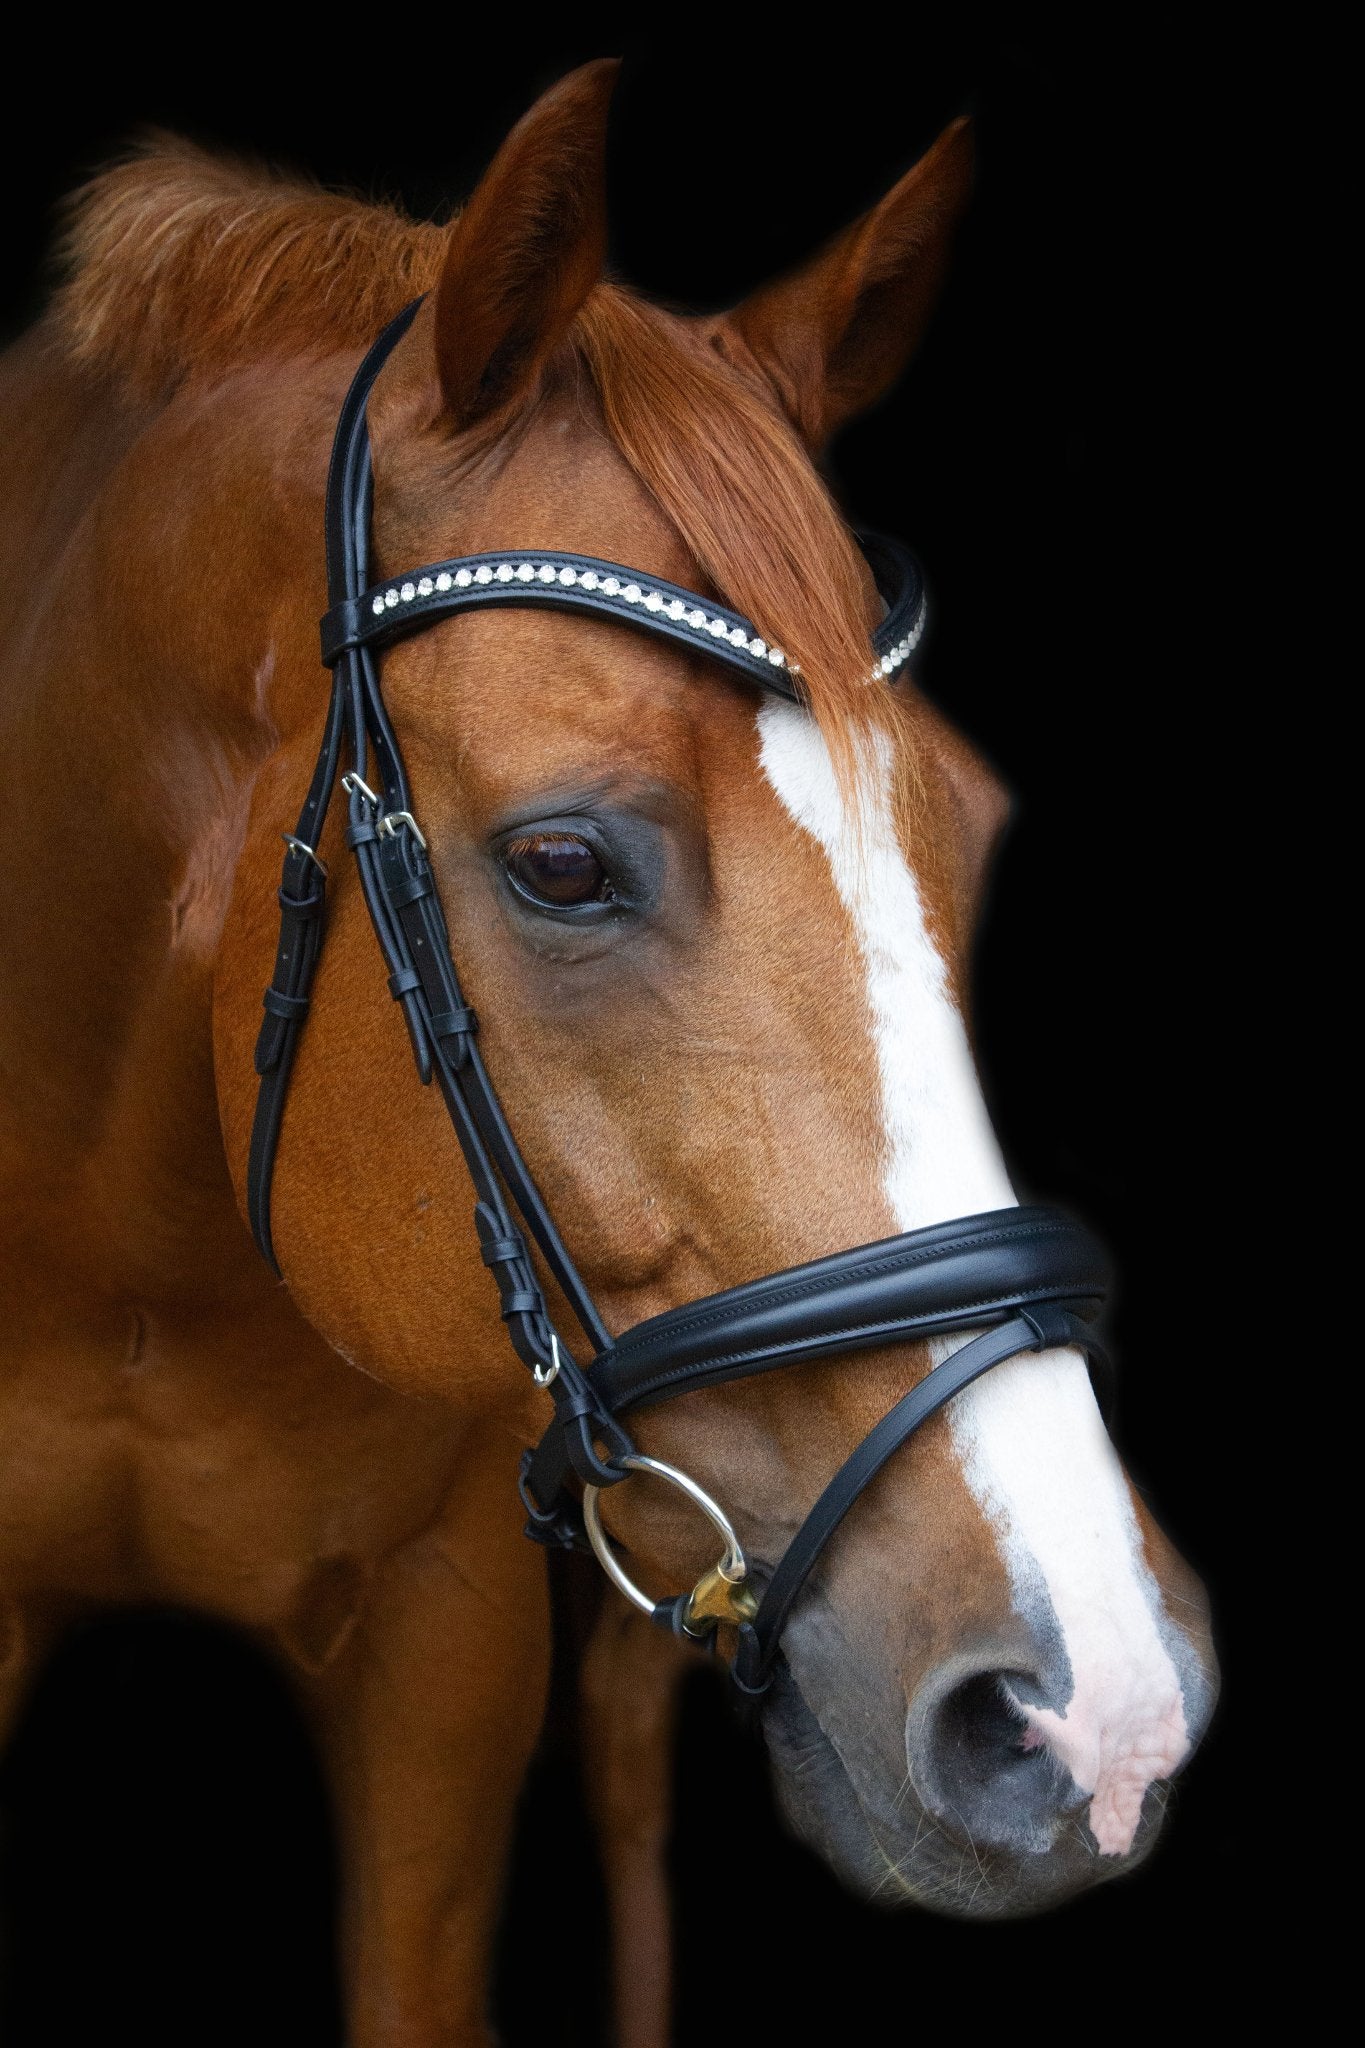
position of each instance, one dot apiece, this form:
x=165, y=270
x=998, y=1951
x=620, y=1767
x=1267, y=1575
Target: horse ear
x=527, y=249
x=837, y=334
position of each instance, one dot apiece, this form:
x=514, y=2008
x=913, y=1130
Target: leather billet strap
x=302, y=893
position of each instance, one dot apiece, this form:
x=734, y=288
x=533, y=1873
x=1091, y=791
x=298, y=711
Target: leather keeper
x=291, y=1008
x=340, y=631
x=460, y=1023
x=270, y=1043
x=402, y=889
x=498, y=1251
x=300, y=906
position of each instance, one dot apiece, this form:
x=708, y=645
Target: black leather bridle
x=1024, y=1279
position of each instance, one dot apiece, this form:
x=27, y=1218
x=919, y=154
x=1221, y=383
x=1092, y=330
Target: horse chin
x=883, y=1845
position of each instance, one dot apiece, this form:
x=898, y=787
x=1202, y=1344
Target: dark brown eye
x=553, y=868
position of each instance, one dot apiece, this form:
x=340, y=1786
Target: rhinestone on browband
x=588, y=579
x=565, y=575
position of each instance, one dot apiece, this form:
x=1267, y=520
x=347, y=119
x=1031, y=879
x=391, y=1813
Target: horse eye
x=554, y=869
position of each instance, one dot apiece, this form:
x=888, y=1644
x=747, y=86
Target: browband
x=1023, y=1279
x=599, y=589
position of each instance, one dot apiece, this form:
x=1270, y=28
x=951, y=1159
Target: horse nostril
x=979, y=1733
x=979, y=1766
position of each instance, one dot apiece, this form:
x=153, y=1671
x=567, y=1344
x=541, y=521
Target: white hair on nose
x=1032, y=1446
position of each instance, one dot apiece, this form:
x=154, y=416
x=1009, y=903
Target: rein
x=1023, y=1279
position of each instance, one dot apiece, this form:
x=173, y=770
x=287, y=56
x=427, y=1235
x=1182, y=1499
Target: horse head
x=718, y=943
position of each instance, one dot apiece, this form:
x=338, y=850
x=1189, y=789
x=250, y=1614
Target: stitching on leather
x=888, y=1262
x=789, y=1354
x=550, y=1444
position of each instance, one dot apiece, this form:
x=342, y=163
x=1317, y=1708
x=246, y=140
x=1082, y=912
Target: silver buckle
x=302, y=846
x=546, y=1375
x=389, y=823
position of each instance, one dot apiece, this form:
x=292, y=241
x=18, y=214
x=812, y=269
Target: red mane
x=181, y=264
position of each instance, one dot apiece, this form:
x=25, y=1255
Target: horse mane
x=179, y=261
x=730, y=473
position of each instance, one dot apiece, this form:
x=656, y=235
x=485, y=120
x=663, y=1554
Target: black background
x=1054, y=457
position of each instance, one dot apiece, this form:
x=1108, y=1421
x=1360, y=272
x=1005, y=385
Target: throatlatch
x=1021, y=1279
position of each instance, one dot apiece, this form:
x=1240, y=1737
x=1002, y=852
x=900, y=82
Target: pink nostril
x=990, y=1755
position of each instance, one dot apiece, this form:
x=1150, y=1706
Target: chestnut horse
x=761, y=1060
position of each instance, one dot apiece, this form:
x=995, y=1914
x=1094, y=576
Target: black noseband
x=1021, y=1279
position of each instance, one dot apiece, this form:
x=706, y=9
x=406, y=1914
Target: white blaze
x=1033, y=1449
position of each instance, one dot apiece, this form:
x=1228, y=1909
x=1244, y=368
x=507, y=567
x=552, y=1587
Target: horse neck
x=147, y=550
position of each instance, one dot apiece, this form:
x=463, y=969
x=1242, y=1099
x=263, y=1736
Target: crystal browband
x=585, y=584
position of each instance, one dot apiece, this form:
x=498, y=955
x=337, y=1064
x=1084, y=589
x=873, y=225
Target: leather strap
x=448, y=1043
x=303, y=901
x=951, y=1276
x=303, y=887
x=600, y=589
x=900, y=580
x=759, y=1640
